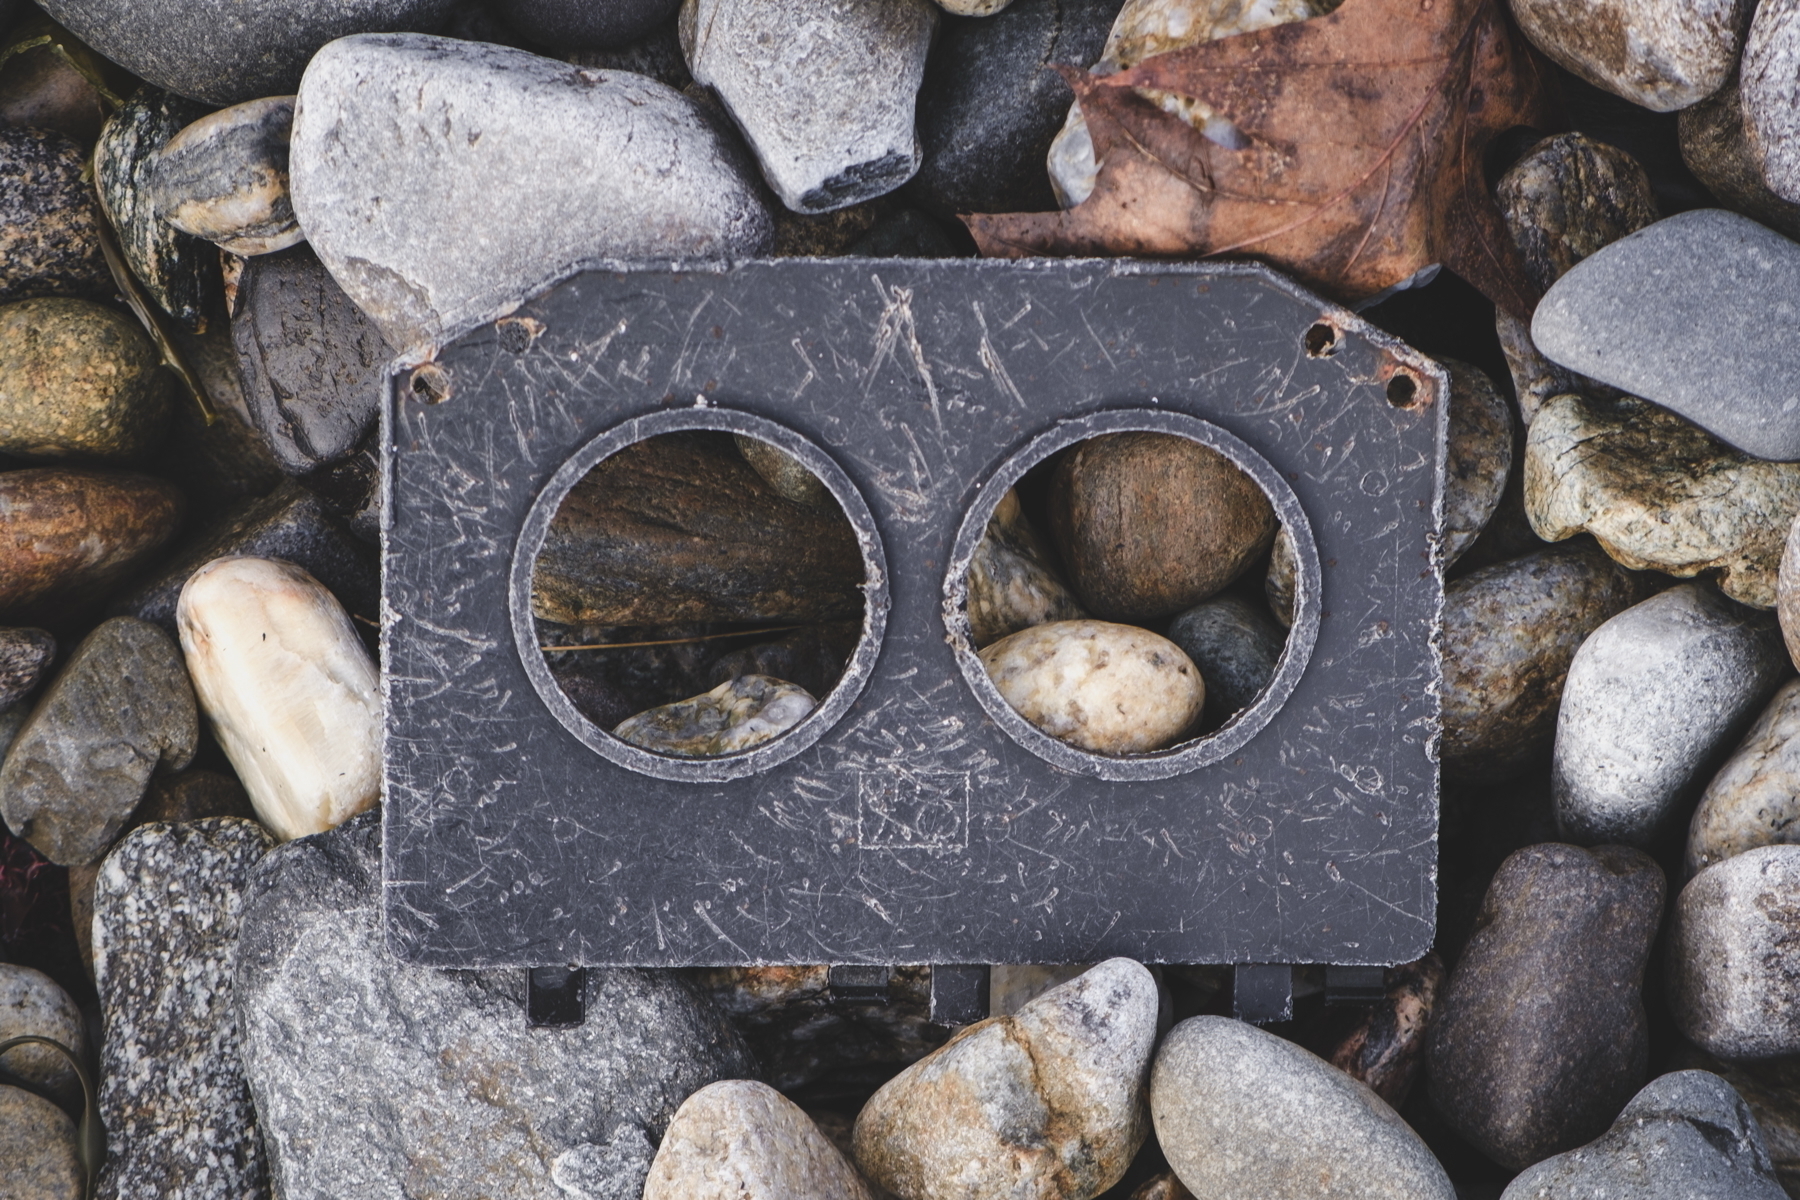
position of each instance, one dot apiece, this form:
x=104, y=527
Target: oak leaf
x=1361, y=137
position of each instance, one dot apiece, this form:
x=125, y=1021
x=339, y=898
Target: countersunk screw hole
x=1321, y=340
x=1402, y=389
x=431, y=383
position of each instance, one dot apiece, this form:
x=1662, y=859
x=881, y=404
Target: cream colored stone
x=1111, y=689
x=1147, y=27
x=973, y=8
x=1754, y=800
x=288, y=688
x=736, y=715
x=1011, y=583
x=743, y=1140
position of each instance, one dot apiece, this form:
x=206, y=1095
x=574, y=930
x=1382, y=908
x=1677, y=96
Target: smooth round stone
x=743, y=1140
x=1734, y=956
x=38, y=1146
x=1770, y=80
x=228, y=51
x=180, y=272
x=225, y=178
x=1104, y=688
x=1648, y=485
x=1047, y=1102
x=49, y=234
x=1244, y=1115
x=1716, y=146
x=1686, y=1136
x=1754, y=800
x=25, y=654
x=78, y=381
x=403, y=143
x=824, y=91
x=70, y=535
x=1541, y=1034
x=585, y=24
x=31, y=1003
x=1659, y=54
x=1011, y=583
x=736, y=715
x=288, y=690
x=120, y=709
x=1278, y=584
x=1650, y=697
x=782, y=471
x=1480, y=456
x=1236, y=647
x=1150, y=523
x=1510, y=632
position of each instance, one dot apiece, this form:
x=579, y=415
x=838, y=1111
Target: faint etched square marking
x=913, y=811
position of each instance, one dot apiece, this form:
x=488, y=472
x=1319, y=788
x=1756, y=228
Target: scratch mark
x=990, y=359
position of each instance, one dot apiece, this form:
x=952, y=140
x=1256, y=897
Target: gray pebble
x=1510, y=632
x=1716, y=147
x=31, y=1003
x=229, y=51
x=1236, y=645
x=49, y=236
x=1754, y=800
x=167, y=905
x=1480, y=456
x=375, y=1077
x=1540, y=1034
x=1688, y=313
x=824, y=90
x=1734, y=956
x=121, y=708
x=37, y=1144
x=501, y=141
x=1244, y=1115
x=25, y=654
x=1686, y=1136
x=1771, y=1090
x=1770, y=79
x=225, y=178
x=1651, y=697
x=1660, y=54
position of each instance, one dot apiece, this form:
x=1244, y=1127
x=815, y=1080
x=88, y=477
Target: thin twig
x=704, y=637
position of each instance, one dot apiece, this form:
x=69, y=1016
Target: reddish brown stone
x=67, y=536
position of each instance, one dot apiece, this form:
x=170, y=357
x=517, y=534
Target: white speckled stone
x=1650, y=697
x=288, y=688
x=1110, y=689
x=441, y=182
x=1244, y=1115
x=1754, y=800
x=1661, y=54
x=1734, y=956
x=1048, y=1103
x=824, y=90
x=736, y=715
x=1011, y=583
x=743, y=1140
x=32, y=1003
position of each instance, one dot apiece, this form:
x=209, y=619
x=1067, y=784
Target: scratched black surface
x=915, y=829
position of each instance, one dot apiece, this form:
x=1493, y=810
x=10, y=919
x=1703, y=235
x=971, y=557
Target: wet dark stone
x=1541, y=1035
x=1236, y=644
x=49, y=236
x=1383, y=1044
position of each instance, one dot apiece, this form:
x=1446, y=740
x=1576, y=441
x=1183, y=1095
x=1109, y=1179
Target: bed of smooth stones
x=190, y=686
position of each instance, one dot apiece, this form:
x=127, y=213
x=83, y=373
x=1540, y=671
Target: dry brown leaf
x=1365, y=132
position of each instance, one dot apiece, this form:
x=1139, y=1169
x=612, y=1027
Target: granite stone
x=1717, y=148
x=38, y=1146
x=1013, y=583
x=79, y=381
x=1769, y=78
x=1788, y=592
x=49, y=234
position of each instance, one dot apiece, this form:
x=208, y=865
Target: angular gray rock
x=1754, y=800
x=1047, y=1102
x=1510, y=632
x=121, y=708
x=167, y=907
x=1661, y=54
x=32, y=1004
x=1651, y=697
x=179, y=271
x=583, y=24
x=25, y=654
x=228, y=51
x=824, y=90
x=743, y=1140
x=1540, y=1034
x=1734, y=956
x=49, y=237
x=373, y=1077
x=225, y=178
x=38, y=1147
x=1236, y=645
x=1244, y=1115
x=1686, y=313
x=557, y=165
x=1686, y=1136
x=1769, y=77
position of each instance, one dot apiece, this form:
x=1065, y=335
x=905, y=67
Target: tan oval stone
x=743, y=1140
x=736, y=715
x=69, y=534
x=1109, y=689
x=78, y=381
x=1659, y=493
x=288, y=688
x=1012, y=585
x=1754, y=800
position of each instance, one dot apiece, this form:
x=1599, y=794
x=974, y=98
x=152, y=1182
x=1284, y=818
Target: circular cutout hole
x=1403, y=389
x=698, y=599
x=1321, y=340
x=1113, y=597
x=431, y=383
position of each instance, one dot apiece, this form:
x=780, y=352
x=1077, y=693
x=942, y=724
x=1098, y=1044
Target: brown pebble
x=70, y=535
x=78, y=380
x=1387, y=1047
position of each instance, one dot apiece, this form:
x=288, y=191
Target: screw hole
x=1402, y=389
x=431, y=383
x=1321, y=340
